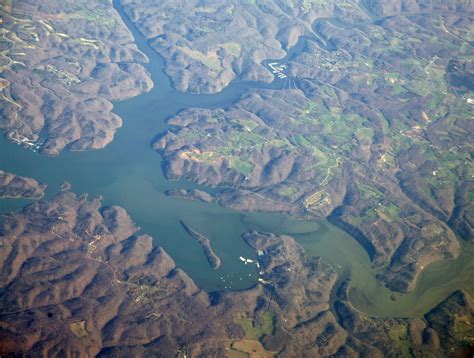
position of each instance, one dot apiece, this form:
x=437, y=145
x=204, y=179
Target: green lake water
x=128, y=173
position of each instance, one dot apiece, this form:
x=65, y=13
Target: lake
x=128, y=173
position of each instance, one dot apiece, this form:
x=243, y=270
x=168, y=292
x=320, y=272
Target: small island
x=212, y=258
x=65, y=186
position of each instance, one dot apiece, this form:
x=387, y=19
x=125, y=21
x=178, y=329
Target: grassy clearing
x=79, y=329
x=369, y=192
x=288, y=191
x=337, y=129
x=257, y=328
x=248, y=349
x=241, y=166
x=81, y=12
x=233, y=48
x=209, y=59
x=318, y=199
x=388, y=213
x=399, y=334
x=203, y=157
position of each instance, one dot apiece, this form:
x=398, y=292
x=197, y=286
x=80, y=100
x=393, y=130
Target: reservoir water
x=128, y=173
